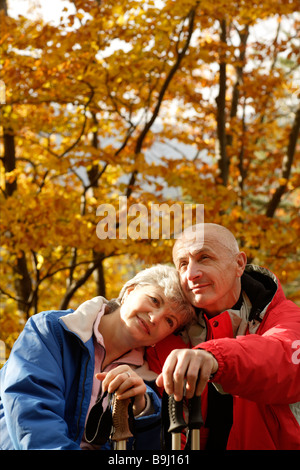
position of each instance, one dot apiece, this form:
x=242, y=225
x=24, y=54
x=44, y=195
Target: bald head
x=204, y=231
x=210, y=266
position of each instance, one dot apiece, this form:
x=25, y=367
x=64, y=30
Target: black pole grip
x=195, y=414
x=175, y=408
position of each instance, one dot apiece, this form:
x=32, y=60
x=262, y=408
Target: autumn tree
x=89, y=104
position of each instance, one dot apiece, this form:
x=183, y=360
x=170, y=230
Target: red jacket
x=260, y=370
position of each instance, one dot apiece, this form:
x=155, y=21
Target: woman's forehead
x=152, y=289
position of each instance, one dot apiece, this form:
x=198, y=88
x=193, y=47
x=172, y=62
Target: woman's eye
x=155, y=300
x=170, y=322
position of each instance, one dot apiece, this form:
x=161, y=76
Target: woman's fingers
x=123, y=381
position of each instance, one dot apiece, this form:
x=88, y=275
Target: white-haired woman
x=64, y=361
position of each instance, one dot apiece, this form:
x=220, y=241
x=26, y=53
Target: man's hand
x=193, y=365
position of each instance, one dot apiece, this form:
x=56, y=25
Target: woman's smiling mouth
x=144, y=325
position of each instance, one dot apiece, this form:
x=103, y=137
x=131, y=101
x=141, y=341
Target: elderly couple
x=222, y=327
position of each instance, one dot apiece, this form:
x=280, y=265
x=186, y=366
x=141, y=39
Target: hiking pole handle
x=195, y=414
x=195, y=421
x=177, y=422
x=120, y=419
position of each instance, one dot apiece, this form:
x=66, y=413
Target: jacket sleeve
x=32, y=389
x=147, y=427
x=261, y=367
x=156, y=355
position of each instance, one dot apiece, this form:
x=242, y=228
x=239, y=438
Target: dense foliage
x=159, y=101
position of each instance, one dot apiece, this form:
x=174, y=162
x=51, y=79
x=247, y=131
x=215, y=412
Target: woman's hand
x=125, y=383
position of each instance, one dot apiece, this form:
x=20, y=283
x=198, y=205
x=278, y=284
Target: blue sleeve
x=148, y=428
x=32, y=389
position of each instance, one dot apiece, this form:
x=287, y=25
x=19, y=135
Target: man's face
x=210, y=272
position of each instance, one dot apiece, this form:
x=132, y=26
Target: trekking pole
x=120, y=418
x=177, y=422
x=195, y=421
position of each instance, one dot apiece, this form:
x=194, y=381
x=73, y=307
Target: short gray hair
x=167, y=278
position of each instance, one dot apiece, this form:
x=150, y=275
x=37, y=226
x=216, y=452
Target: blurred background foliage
x=158, y=101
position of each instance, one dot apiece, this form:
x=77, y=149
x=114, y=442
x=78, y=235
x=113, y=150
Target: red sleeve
x=156, y=356
x=262, y=367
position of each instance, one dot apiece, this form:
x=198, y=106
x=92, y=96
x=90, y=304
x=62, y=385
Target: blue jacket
x=46, y=388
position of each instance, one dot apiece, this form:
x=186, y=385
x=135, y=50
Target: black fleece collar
x=260, y=290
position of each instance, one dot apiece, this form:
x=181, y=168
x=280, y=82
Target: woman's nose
x=155, y=316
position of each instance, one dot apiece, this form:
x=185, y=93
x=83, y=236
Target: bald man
x=217, y=286
x=244, y=344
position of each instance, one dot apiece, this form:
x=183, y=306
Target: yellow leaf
x=40, y=260
x=121, y=20
x=79, y=16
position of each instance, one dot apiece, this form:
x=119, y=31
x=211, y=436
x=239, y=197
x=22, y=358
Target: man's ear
x=241, y=260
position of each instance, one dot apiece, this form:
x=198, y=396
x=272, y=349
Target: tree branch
x=170, y=75
x=239, y=71
x=79, y=282
x=286, y=167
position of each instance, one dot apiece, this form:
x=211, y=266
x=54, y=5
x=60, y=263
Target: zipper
x=99, y=396
x=83, y=395
x=83, y=384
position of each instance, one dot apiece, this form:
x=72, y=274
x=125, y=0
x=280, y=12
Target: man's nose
x=193, y=271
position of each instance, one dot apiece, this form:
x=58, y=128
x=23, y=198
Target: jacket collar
x=81, y=321
x=259, y=286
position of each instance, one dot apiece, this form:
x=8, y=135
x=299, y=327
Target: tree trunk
x=223, y=160
x=286, y=167
x=23, y=283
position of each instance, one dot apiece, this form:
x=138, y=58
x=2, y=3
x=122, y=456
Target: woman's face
x=148, y=315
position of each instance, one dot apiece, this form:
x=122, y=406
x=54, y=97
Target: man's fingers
x=160, y=380
x=192, y=377
x=192, y=367
x=179, y=378
x=166, y=378
x=174, y=372
x=203, y=378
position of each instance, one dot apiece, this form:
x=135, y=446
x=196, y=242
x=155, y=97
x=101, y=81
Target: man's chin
x=197, y=300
